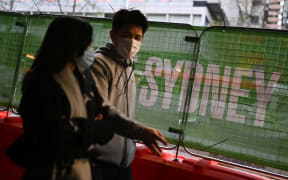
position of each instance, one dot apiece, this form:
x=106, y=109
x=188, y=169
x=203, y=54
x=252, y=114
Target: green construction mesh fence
x=36, y=28
x=12, y=32
x=159, y=71
x=240, y=95
x=225, y=88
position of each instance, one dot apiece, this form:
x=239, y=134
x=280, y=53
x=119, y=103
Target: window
x=108, y=15
x=254, y=19
x=199, y=3
x=257, y=3
x=273, y=16
x=157, y=17
x=207, y=22
x=179, y=18
x=196, y=21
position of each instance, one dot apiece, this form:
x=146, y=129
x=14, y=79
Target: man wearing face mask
x=112, y=72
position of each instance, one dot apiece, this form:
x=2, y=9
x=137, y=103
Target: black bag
x=24, y=152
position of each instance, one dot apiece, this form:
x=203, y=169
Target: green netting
x=160, y=65
x=220, y=100
x=36, y=28
x=240, y=95
x=12, y=31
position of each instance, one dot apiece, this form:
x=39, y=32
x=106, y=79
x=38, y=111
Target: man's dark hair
x=129, y=17
x=65, y=40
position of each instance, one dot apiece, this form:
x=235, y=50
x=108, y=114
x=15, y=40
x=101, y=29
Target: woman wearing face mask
x=86, y=60
x=113, y=75
x=58, y=120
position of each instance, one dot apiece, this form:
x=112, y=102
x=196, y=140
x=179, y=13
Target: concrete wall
x=231, y=10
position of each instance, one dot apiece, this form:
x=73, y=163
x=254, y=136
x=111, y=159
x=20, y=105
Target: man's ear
x=112, y=36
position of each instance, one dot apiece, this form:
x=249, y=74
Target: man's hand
x=150, y=136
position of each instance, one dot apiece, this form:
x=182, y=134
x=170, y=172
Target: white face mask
x=86, y=60
x=127, y=47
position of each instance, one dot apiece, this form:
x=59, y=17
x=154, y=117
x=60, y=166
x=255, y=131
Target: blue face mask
x=86, y=60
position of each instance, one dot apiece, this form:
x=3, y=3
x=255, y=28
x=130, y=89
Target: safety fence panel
x=238, y=106
x=12, y=28
x=166, y=58
x=36, y=28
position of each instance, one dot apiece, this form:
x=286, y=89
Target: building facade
x=252, y=13
x=275, y=14
x=194, y=12
x=285, y=15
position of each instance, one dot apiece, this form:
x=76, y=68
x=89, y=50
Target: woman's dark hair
x=66, y=39
x=129, y=17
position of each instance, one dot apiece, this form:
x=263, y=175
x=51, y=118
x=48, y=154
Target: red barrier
x=3, y=114
x=146, y=166
x=10, y=130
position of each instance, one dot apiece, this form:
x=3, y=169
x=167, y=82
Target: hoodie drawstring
x=125, y=87
x=117, y=83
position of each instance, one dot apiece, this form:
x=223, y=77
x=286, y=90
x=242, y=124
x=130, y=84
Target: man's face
x=128, y=31
x=127, y=40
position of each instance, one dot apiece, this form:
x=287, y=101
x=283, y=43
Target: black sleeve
x=94, y=131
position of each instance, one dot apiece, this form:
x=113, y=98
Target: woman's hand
x=150, y=136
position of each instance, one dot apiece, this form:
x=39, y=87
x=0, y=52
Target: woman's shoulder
x=41, y=90
x=37, y=81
